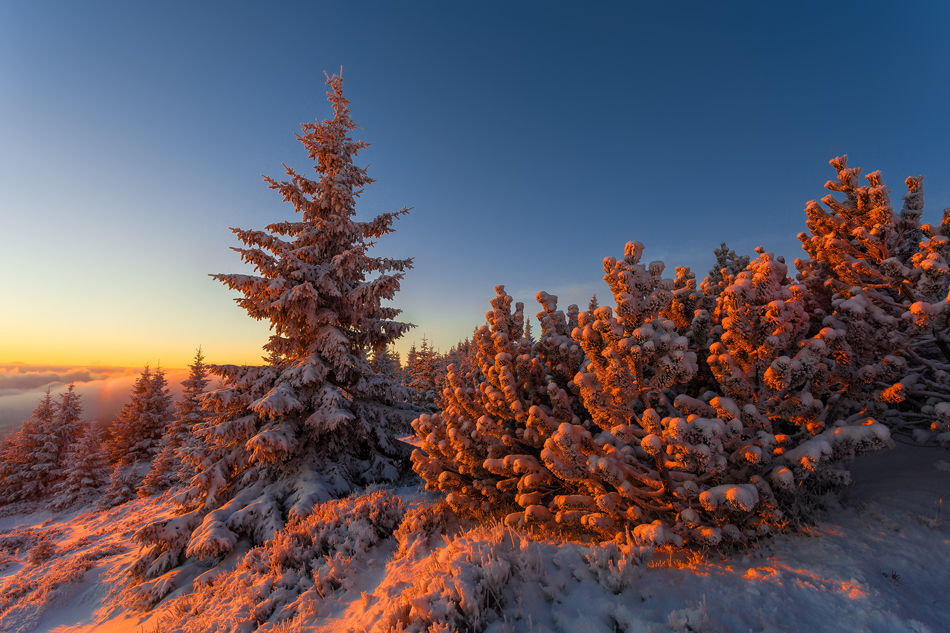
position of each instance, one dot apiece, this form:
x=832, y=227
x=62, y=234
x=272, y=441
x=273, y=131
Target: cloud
x=18, y=377
x=103, y=389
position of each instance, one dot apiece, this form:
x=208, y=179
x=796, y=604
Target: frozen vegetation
x=758, y=450
x=874, y=562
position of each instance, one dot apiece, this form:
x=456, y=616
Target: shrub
x=704, y=414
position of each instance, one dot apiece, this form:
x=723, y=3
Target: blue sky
x=532, y=139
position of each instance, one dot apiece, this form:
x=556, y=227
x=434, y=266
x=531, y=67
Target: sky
x=531, y=140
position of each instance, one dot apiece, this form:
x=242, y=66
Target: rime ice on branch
x=318, y=421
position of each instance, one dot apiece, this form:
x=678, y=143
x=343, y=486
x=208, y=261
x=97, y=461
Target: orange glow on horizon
x=94, y=354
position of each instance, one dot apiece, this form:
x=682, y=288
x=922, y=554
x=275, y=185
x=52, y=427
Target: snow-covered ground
x=880, y=561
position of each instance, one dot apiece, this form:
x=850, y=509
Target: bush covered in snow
x=711, y=412
x=879, y=279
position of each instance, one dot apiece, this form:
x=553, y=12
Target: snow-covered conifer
x=458, y=353
x=172, y=465
x=68, y=429
x=86, y=470
x=123, y=482
x=879, y=280
x=424, y=373
x=728, y=265
x=138, y=429
x=498, y=410
x=606, y=423
x=411, y=361
x=32, y=455
x=319, y=422
x=385, y=363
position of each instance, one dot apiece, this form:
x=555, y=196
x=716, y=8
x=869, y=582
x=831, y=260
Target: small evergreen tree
x=318, y=421
x=592, y=304
x=400, y=376
x=171, y=465
x=385, y=363
x=411, y=361
x=32, y=455
x=86, y=471
x=138, y=429
x=123, y=483
x=528, y=335
x=424, y=374
x=69, y=428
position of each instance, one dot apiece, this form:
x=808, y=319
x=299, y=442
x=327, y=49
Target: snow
x=876, y=562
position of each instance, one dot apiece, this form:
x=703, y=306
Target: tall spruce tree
x=317, y=421
x=425, y=374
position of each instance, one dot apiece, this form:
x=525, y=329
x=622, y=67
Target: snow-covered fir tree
x=123, y=483
x=879, y=279
x=458, y=353
x=411, y=361
x=385, y=362
x=69, y=426
x=425, y=373
x=137, y=431
x=86, y=471
x=400, y=371
x=318, y=422
x=172, y=465
x=32, y=455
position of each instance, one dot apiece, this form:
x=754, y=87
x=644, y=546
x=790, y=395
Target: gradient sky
x=532, y=139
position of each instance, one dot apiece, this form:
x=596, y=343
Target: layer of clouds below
x=104, y=389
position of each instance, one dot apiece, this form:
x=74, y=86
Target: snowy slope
x=877, y=562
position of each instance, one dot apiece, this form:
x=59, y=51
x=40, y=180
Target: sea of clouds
x=104, y=389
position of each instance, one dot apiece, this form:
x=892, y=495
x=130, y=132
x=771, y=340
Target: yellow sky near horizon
x=134, y=342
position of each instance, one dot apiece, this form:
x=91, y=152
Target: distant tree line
x=59, y=460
